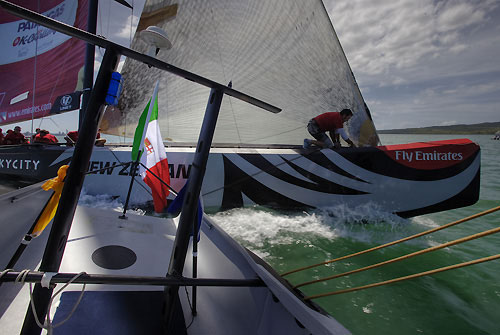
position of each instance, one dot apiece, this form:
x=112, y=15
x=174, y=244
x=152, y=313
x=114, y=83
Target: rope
x=396, y=242
x=421, y=274
x=160, y=180
x=21, y=277
x=122, y=163
x=48, y=325
x=441, y=246
x=4, y=272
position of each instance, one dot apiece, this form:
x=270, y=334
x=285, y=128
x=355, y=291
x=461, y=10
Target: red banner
x=38, y=64
x=431, y=155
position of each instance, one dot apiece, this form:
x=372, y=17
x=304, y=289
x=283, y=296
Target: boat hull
x=102, y=244
x=409, y=180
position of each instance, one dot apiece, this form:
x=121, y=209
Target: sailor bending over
x=332, y=122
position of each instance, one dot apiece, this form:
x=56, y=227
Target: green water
x=462, y=301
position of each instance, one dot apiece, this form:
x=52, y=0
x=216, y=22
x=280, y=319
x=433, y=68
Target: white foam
x=425, y=221
x=104, y=201
x=257, y=227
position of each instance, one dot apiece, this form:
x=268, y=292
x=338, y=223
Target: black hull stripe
x=319, y=184
x=237, y=182
x=468, y=196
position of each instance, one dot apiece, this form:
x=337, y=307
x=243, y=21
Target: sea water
x=462, y=301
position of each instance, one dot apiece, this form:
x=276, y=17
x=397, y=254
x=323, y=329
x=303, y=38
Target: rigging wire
x=34, y=74
x=224, y=73
x=277, y=134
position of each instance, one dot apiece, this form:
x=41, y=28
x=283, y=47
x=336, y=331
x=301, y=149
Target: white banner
x=19, y=38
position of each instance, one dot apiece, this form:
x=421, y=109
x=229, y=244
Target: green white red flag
x=148, y=145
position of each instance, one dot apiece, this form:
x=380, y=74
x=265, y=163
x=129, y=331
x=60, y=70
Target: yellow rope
x=441, y=246
x=421, y=274
x=396, y=242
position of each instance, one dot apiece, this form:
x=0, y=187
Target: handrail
x=36, y=277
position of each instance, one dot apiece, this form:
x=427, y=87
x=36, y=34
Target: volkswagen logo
x=66, y=100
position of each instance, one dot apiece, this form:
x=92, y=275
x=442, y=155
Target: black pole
x=88, y=76
x=133, y=169
x=195, y=260
x=190, y=204
x=85, y=278
x=61, y=225
x=27, y=238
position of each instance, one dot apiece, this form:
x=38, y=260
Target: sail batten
x=283, y=52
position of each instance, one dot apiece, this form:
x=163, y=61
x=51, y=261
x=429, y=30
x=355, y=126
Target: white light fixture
x=156, y=39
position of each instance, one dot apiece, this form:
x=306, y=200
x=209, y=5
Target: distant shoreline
x=486, y=128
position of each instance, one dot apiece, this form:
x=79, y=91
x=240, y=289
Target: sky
x=418, y=63
x=423, y=63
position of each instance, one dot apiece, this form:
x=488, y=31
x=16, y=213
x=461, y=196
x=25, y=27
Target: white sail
x=283, y=52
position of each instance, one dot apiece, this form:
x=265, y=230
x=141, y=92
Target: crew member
x=37, y=131
x=332, y=122
x=72, y=137
x=14, y=137
x=45, y=137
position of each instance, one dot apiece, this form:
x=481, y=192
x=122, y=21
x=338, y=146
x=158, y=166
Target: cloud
x=422, y=61
x=448, y=123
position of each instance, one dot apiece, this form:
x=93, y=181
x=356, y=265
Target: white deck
x=131, y=309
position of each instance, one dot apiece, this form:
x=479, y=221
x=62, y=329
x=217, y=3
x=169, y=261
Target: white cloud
x=448, y=123
x=423, y=60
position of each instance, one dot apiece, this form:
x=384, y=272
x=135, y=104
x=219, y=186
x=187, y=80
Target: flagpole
x=133, y=169
x=135, y=164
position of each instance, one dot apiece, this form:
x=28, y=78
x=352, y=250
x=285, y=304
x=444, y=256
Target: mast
x=88, y=77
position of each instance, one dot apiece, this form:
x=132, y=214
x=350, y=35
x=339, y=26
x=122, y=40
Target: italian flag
x=148, y=145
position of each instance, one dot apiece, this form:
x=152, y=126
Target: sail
x=37, y=64
x=283, y=52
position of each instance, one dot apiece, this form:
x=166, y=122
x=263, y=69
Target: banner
x=37, y=64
